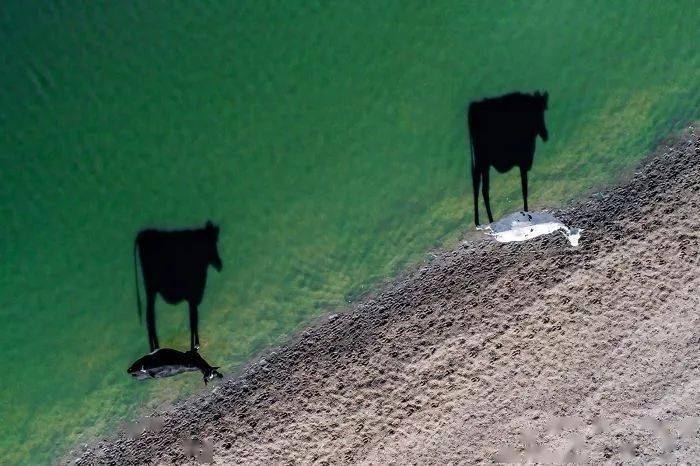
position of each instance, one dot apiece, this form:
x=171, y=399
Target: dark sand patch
x=516, y=352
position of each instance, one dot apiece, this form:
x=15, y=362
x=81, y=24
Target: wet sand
x=534, y=351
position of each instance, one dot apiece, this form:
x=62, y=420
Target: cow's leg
x=476, y=174
x=151, y=319
x=485, y=191
x=194, y=324
x=523, y=181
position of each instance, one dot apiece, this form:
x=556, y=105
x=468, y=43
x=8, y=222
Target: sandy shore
x=533, y=351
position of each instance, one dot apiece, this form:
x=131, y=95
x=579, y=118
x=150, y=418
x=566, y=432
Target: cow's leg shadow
x=194, y=326
x=151, y=320
x=485, y=191
x=523, y=181
x=476, y=175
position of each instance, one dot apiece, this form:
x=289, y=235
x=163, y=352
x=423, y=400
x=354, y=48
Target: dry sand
x=533, y=351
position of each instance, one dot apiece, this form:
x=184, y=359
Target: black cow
x=502, y=132
x=166, y=362
x=174, y=264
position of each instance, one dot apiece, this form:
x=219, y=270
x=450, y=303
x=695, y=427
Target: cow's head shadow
x=502, y=134
x=212, y=246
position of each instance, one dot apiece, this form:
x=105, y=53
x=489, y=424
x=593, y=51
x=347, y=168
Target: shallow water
x=328, y=141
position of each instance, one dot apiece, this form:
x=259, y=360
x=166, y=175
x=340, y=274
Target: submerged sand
x=533, y=351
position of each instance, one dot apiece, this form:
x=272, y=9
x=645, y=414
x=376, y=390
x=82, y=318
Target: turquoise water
x=327, y=139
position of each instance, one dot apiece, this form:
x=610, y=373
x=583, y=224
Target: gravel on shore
x=519, y=352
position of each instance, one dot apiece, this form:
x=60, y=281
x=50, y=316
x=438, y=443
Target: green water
x=326, y=138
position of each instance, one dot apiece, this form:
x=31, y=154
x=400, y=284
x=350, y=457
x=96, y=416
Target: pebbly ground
x=516, y=352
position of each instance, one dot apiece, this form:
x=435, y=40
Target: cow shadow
x=174, y=264
x=502, y=134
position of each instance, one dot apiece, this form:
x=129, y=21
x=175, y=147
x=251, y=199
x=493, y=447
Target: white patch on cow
x=522, y=226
